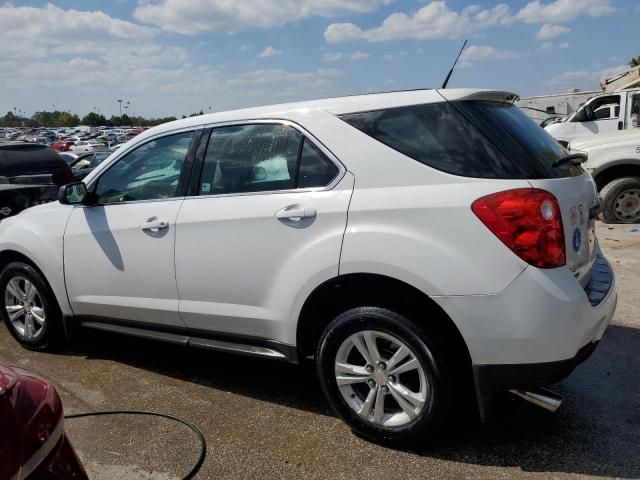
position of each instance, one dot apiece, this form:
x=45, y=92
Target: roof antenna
x=446, y=80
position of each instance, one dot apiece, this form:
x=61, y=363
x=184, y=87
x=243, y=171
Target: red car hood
x=31, y=420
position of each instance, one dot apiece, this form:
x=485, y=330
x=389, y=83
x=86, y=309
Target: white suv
x=414, y=243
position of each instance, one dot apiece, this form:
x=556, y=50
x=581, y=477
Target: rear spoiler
x=487, y=95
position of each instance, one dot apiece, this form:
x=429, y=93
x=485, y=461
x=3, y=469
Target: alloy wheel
x=24, y=307
x=381, y=379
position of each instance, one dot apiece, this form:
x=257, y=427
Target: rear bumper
x=536, y=331
x=542, y=316
x=490, y=379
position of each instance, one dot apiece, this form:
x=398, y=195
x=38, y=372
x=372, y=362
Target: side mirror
x=72, y=194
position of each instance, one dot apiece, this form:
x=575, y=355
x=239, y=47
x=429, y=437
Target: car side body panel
x=38, y=234
x=403, y=212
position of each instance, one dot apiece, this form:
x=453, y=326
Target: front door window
x=150, y=172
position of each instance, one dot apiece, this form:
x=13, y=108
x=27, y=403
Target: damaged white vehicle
x=418, y=245
x=614, y=162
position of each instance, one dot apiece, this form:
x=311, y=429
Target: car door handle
x=296, y=213
x=154, y=225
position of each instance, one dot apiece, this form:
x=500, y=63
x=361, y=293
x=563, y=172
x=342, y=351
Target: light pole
x=120, y=102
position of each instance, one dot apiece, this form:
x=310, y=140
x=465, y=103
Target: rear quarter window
x=467, y=138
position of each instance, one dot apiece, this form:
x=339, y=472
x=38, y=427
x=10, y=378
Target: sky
x=175, y=57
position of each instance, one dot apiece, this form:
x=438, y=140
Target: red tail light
x=528, y=221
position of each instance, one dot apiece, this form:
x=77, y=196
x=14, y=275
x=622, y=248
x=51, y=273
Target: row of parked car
x=89, y=139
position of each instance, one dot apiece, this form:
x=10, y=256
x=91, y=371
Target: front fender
x=38, y=234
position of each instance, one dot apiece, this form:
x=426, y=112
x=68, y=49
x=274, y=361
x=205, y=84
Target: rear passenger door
x=269, y=214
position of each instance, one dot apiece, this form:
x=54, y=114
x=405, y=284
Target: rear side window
x=262, y=158
x=315, y=168
x=469, y=138
x=438, y=136
x=520, y=139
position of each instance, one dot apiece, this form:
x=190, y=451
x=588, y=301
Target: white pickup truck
x=614, y=163
x=604, y=113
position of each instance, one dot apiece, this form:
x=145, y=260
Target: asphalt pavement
x=265, y=419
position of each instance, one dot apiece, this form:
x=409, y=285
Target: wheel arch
x=622, y=168
x=10, y=255
x=343, y=292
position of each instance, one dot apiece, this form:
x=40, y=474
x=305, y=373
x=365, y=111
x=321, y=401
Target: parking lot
x=269, y=420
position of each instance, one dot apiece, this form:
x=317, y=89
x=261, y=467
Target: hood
x=631, y=136
x=32, y=422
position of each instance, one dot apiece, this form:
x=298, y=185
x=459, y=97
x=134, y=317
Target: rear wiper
x=574, y=158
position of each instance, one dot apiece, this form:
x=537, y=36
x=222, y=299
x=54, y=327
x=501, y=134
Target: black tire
x=424, y=349
x=51, y=335
x=611, y=194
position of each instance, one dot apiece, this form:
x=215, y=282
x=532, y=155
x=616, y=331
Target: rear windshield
x=468, y=138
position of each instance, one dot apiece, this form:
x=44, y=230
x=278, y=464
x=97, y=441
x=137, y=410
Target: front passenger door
x=118, y=254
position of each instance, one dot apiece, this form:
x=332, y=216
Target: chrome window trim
x=259, y=121
x=133, y=202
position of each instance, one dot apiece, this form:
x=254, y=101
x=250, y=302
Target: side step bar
x=253, y=347
x=541, y=397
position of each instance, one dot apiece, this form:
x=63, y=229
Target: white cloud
x=562, y=46
x=191, y=17
x=583, y=79
x=37, y=32
x=269, y=52
x=563, y=10
x=549, y=30
x=359, y=55
x=259, y=84
x=478, y=53
x=75, y=59
x=336, y=56
x=437, y=20
x=332, y=56
x=434, y=20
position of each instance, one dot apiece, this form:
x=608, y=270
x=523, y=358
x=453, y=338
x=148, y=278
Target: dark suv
x=30, y=175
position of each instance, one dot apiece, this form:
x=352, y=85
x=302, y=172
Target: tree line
x=66, y=119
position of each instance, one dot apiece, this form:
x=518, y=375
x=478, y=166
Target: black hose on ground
x=193, y=428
